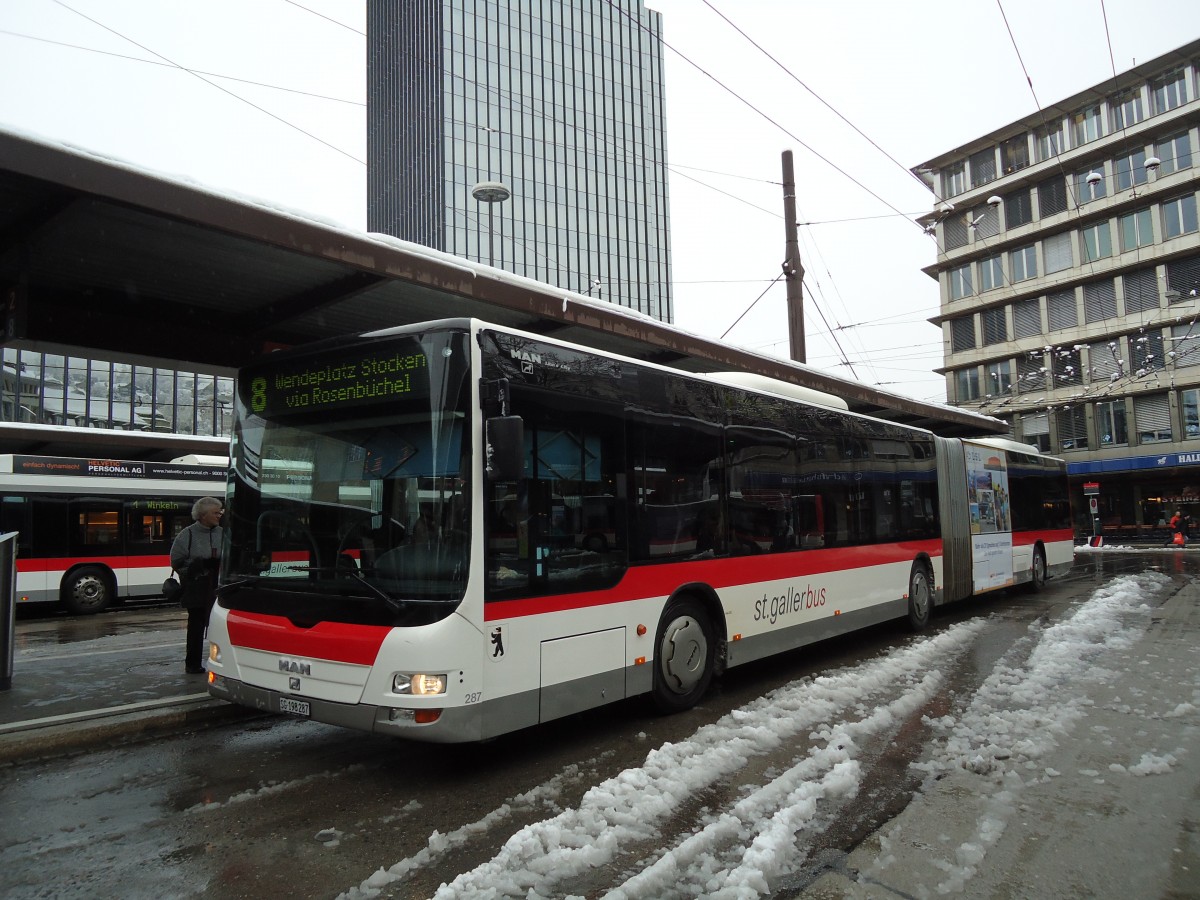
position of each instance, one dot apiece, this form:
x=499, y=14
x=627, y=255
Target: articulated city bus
x=453, y=530
x=92, y=532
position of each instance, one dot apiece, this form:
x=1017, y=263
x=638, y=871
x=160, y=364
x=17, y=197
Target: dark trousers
x=197, y=624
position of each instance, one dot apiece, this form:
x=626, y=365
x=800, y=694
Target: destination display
x=343, y=378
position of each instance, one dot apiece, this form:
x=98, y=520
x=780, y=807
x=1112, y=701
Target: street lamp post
x=490, y=192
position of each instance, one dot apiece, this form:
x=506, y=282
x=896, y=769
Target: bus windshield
x=348, y=500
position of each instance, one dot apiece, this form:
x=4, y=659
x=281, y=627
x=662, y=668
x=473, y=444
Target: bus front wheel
x=684, y=650
x=920, y=596
x=87, y=591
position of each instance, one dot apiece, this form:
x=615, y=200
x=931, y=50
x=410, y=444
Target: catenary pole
x=793, y=272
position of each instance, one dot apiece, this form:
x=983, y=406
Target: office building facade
x=558, y=101
x=1068, y=265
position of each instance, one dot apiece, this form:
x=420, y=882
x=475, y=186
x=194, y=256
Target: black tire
x=685, y=648
x=1037, y=583
x=920, y=597
x=87, y=591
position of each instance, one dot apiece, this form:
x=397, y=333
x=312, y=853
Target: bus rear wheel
x=1037, y=573
x=684, y=648
x=87, y=591
x=920, y=597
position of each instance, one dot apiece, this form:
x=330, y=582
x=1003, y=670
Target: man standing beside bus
x=196, y=556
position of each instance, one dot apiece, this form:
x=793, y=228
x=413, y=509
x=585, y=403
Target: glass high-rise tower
x=559, y=101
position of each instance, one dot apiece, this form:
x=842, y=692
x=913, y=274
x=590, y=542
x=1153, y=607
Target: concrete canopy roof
x=101, y=257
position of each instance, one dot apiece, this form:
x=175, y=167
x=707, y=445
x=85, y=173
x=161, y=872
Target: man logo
x=293, y=684
x=296, y=668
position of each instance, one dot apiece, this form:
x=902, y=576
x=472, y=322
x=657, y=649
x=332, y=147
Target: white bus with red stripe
x=454, y=530
x=92, y=532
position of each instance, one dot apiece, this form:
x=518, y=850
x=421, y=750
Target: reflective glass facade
x=49, y=389
x=559, y=100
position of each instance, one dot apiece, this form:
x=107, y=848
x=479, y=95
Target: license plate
x=295, y=707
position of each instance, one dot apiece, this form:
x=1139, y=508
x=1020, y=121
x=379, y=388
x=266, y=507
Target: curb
x=26, y=741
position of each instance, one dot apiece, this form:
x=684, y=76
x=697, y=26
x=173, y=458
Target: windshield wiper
x=394, y=604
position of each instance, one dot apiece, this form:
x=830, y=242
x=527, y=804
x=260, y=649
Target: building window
x=967, y=384
x=1062, y=311
x=1056, y=252
x=1100, y=301
x=1027, y=318
x=1185, y=345
x=1174, y=154
x=1147, y=352
x=1000, y=376
x=1189, y=410
x=994, y=324
x=1130, y=169
x=1125, y=109
x=1110, y=423
x=954, y=230
x=1052, y=196
x=1179, y=216
x=1136, y=230
x=962, y=334
x=1018, y=209
x=1014, y=153
x=986, y=220
x=1023, y=263
x=1072, y=428
x=1141, y=291
x=1049, y=141
x=991, y=273
x=1183, y=279
x=1031, y=373
x=983, y=167
x=1097, y=242
x=1090, y=185
x=1068, y=366
x=1035, y=430
x=1169, y=91
x=954, y=180
x=1104, y=362
x=1085, y=125
x=1152, y=418
x=960, y=282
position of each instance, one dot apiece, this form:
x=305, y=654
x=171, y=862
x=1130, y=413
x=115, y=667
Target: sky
x=273, y=108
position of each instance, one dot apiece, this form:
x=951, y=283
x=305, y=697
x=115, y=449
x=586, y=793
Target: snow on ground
x=1030, y=701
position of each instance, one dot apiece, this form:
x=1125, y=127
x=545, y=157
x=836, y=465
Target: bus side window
x=95, y=523
x=16, y=514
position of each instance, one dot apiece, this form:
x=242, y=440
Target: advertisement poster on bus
x=991, y=516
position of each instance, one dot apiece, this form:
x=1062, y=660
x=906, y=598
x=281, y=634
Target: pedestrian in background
x=1178, y=537
x=196, y=557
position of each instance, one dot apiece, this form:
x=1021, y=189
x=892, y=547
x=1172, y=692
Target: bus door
x=16, y=514
x=151, y=526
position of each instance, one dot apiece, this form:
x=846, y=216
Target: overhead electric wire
x=817, y=96
x=171, y=65
x=213, y=84
x=762, y=114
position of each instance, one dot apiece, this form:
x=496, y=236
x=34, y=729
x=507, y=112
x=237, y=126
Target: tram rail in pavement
x=79, y=684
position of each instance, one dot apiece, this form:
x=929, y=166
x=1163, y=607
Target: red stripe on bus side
x=339, y=642
x=60, y=564
x=660, y=580
x=1027, y=538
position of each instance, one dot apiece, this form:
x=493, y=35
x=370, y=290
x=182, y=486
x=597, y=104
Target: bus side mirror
x=504, y=444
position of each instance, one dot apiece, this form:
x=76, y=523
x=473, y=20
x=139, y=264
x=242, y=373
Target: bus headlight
x=418, y=684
